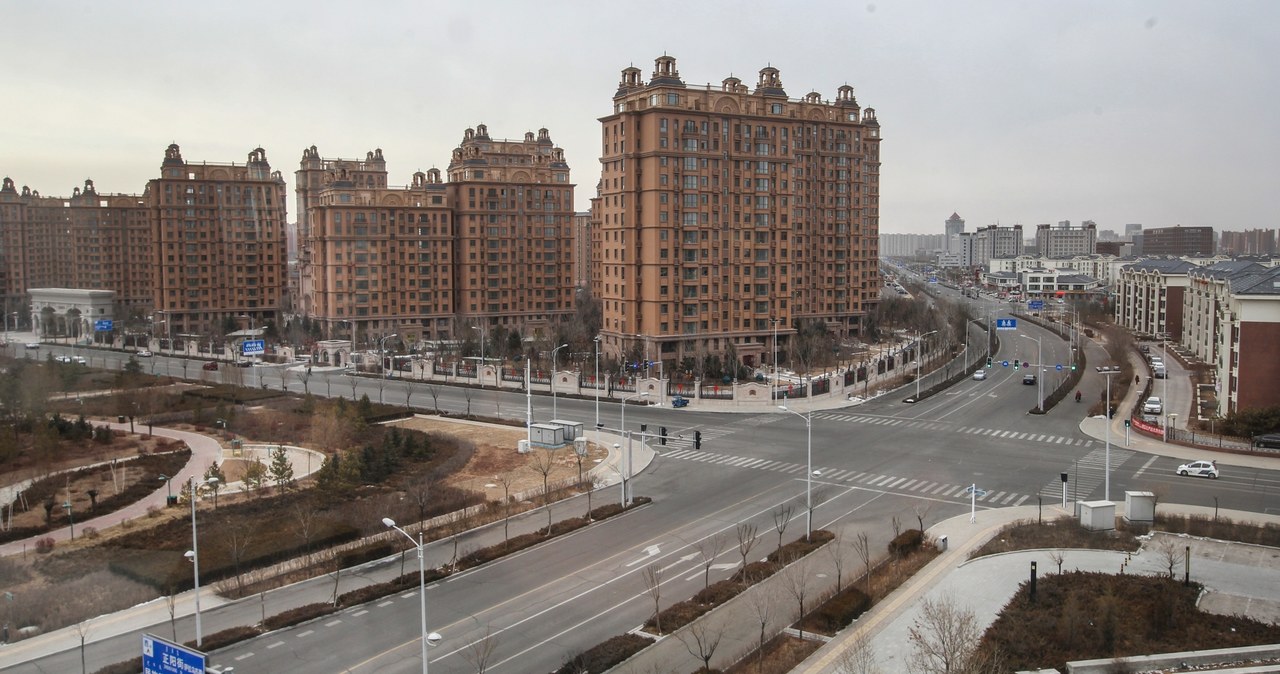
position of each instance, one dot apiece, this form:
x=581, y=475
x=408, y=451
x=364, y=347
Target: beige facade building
x=218, y=232
x=494, y=246
x=725, y=210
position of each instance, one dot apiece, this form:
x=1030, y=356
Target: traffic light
x=1073, y=367
x=988, y=361
x=697, y=439
x=643, y=428
x=662, y=435
x=1017, y=364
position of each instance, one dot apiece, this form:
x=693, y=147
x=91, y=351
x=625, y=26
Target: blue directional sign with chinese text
x=1035, y=304
x=1006, y=324
x=102, y=326
x=253, y=346
x=165, y=657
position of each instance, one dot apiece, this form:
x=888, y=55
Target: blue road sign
x=1035, y=304
x=933, y=279
x=102, y=326
x=1004, y=363
x=1058, y=367
x=1006, y=324
x=977, y=492
x=165, y=657
x=253, y=346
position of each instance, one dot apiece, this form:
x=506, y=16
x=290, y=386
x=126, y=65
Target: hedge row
x=604, y=656
x=906, y=542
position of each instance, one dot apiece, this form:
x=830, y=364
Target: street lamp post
x=622, y=426
x=808, y=475
x=1108, y=371
x=773, y=392
x=1040, y=369
x=168, y=483
x=194, y=553
x=554, y=410
x=919, y=357
x=427, y=638
x=382, y=362
x=597, y=383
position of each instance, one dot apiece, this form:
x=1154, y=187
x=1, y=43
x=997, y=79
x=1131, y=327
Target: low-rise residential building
x=1149, y=294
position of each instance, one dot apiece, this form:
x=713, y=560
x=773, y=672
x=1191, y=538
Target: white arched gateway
x=69, y=312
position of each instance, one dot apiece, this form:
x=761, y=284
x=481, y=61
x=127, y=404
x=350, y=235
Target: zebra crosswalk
x=1086, y=474
x=865, y=480
x=1031, y=436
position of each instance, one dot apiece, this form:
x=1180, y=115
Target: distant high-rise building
x=954, y=228
x=995, y=241
x=727, y=211
x=1249, y=242
x=1066, y=241
x=1132, y=229
x=220, y=247
x=1178, y=241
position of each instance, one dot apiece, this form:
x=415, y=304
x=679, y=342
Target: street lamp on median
x=597, y=383
x=382, y=362
x=554, y=352
x=428, y=639
x=808, y=475
x=483, y=339
x=194, y=553
x=1040, y=375
x=1108, y=371
x=919, y=357
x=622, y=426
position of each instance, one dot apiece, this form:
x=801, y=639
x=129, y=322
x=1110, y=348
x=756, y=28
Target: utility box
x=942, y=543
x=572, y=429
x=1098, y=515
x=546, y=435
x=1140, y=506
x=522, y=447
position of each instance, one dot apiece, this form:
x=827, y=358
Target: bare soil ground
x=495, y=457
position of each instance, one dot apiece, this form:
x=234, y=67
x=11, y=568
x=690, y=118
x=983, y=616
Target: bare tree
x=837, y=552
x=505, y=481
x=921, y=511
x=748, y=536
x=434, y=390
x=480, y=652
x=1170, y=555
x=171, y=603
x=82, y=631
x=943, y=637
x=702, y=640
x=304, y=519
x=543, y=462
x=862, y=546
x=760, y=601
x=796, y=581
x=419, y=492
x=781, y=518
x=236, y=539
x=858, y=656
x=652, y=575
x=1057, y=557
x=896, y=524
x=708, y=549
x=466, y=393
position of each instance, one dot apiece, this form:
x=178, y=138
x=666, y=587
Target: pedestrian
x=1137, y=379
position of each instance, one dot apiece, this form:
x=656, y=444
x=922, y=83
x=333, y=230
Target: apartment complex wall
x=725, y=208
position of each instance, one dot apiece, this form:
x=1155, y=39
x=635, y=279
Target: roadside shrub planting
x=906, y=542
x=604, y=656
x=297, y=615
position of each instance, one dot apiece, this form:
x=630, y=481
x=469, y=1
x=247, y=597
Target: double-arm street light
x=427, y=638
x=1040, y=371
x=808, y=474
x=919, y=357
x=554, y=410
x=1108, y=371
x=194, y=553
x=483, y=338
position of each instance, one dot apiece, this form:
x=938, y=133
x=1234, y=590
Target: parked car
x=211, y=366
x=1267, y=441
x=31, y=345
x=1152, y=406
x=144, y=353
x=1159, y=372
x=679, y=401
x=244, y=363
x=979, y=375
x=79, y=360
x=1028, y=379
x=62, y=359
x=1199, y=468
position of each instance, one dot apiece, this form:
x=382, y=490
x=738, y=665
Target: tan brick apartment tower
x=432, y=261
x=724, y=210
x=88, y=241
x=218, y=232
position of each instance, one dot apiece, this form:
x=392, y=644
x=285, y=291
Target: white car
x=1199, y=468
x=144, y=353
x=979, y=375
x=31, y=345
x=1152, y=406
x=62, y=359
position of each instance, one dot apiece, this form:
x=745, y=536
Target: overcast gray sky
x=1160, y=113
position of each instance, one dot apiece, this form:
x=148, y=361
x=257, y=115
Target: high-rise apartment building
x=582, y=249
x=86, y=241
x=491, y=247
x=725, y=211
x=954, y=227
x=995, y=242
x=218, y=232
x=1249, y=242
x=1066, y=241
x=1178, y=241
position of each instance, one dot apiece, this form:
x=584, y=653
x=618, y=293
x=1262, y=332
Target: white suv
x=1152, y=406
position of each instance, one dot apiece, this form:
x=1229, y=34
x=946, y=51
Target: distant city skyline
x=1005, y=113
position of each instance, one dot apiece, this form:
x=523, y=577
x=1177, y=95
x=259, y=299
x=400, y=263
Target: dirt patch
x=496, y=457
